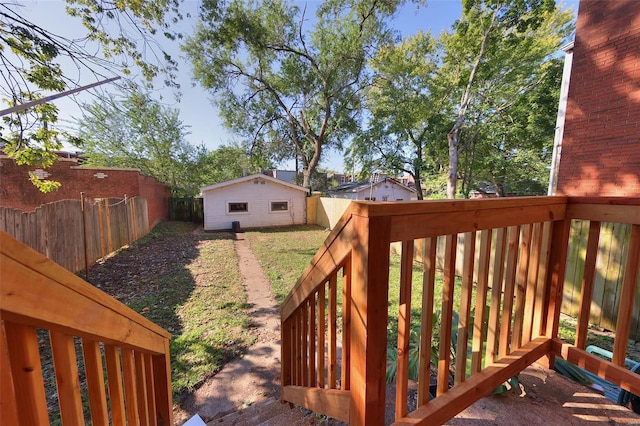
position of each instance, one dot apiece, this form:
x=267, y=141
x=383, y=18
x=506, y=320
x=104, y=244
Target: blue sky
x=196, y=108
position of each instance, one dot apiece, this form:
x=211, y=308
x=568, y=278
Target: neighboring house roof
x=250, y=178
x=355, y=187
x=486, y=188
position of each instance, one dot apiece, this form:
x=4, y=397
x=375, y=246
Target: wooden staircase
x=269, y=412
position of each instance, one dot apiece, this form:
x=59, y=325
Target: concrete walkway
x=255, y=376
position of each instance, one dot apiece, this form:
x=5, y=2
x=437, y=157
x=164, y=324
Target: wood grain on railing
x=404, y=328
x=609, y=371
x=446, y=316
x=67, y=379
x=443, y=408
x=465, y=306
x=493, y=325
x=38, y=294
x=426, y=320
x=346, y=327
x=481, y=301
x=587, y=284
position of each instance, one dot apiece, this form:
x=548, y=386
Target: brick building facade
x=16, y=191
x=601, y=143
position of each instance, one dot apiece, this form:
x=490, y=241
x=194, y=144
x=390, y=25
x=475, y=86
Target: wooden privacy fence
x=49, y=316
x=76, y=233
x=502, y=318
x=186, y=209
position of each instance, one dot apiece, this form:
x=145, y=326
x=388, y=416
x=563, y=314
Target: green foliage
x=30, y=57
x=414, y=347
x=287, y=90
x=133, y=130
x=407, y=107
x=477, y=104
x=227, y=163
x=496, y=57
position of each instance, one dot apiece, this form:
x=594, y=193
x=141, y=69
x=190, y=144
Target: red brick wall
x=17, y=192
x=157, y=196
x=601, y=144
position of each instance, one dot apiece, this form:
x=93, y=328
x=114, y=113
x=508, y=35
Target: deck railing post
x=369, y=295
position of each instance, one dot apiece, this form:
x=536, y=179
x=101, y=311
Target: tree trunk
x=306, y=177
x=417, y=178
x=452, y=174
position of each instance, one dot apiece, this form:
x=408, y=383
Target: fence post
x=107, y=207
x=84, y=237
x=126, y=210
x=100, y=228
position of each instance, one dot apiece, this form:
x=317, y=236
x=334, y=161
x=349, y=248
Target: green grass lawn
x=283, y=253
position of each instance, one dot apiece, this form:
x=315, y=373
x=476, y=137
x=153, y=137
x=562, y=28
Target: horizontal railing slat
x=445, y=407
x=409, y=208
x=331, y=402
x=605, y=213
x=609, y=371
x=81, y=316
x=432, y=224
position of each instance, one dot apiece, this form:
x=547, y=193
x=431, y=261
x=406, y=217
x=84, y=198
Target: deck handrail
x=37, y=294
x=521, y=255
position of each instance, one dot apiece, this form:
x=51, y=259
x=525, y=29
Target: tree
x=31, y=56
x=514, y=149
x=406, y=109
x=493, y=57
x=290, y=92
x=136, y=131
x=227, y=163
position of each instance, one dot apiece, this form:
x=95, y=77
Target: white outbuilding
x=255, y=201
x=385, y=189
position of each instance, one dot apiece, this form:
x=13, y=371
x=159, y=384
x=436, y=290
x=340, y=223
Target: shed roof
x=354, y=187
x=250, y=178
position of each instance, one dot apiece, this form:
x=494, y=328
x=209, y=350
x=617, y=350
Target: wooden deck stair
x=270, y=412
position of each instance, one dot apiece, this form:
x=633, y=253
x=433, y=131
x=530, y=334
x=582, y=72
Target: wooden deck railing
x=507, y=302
x=44, y=307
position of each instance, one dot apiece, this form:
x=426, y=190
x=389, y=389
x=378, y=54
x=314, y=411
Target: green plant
x=414, y=348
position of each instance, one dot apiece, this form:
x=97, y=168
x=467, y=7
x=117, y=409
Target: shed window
x=238, y=207
x=279, y=206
